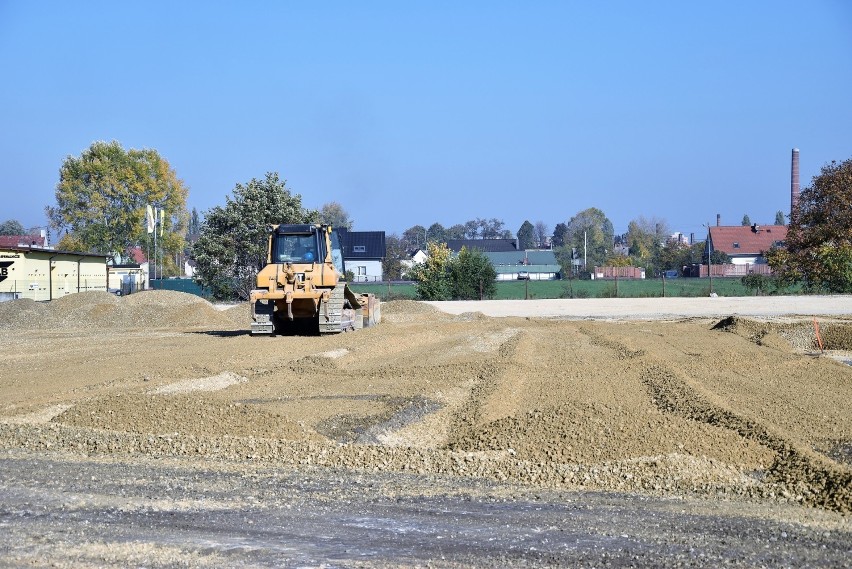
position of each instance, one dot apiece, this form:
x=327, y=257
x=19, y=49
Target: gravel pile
x=96, y=309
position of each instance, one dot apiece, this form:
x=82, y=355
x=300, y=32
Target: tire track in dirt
x=801, y=473
x=470, y=413
x=811, y=478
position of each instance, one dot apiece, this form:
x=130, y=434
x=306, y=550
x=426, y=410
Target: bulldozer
x=301, y=288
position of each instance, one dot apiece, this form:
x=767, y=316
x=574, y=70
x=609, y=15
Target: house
x=135, y=255
x=126, y=279
x=45, y=274
x=484, y=245
x=39, y=241
x=415, y=257
x=534, y=265
x=746, y=244
x=363, y=253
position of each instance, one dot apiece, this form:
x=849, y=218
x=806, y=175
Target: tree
x=719, y=257
x=455, y=232
x=541, y=233
x=590, y=233
x=779, y=217
x=102, y=195
x=818, y=247
x=674, y=255
x=558, y=239
x=333, y=214
x=414, y=238
x=436, y=232
x=231, y=247
x=11, y=227
x=432, y=276
x=746, y=220
x=471, y=275
x=395, y=253
x=194, y=227
x=526, y=236
x=646, y=238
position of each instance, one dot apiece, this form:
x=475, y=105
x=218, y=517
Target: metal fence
x=181, y=285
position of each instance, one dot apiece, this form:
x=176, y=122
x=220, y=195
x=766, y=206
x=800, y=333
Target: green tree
x=471, y=275
x=333, y=214
x=758, y=284
x=231, y=247
x=558, y=239
x=779, y=217
x=526, y=236
x=414, y=238
x=674, y=255
x=590, y=233
x=436, y=232
x=646, y=238
x=194, y=227
x=746, y=220
x=11, y=227
x=102, y=195
x=818, y=248
x=432, y=276
x=455, y=232
x=395, y=253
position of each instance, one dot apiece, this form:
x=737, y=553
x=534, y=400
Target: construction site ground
x=153, y=430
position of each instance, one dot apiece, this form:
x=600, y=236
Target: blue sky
x=415, y=112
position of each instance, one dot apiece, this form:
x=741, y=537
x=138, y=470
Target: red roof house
x=746, y=243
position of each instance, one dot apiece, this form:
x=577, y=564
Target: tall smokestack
x=794, y=183
x=718, y=219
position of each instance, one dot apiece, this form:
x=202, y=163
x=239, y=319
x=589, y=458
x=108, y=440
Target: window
x=362, y=271
x=359, y=249
x=736, y=244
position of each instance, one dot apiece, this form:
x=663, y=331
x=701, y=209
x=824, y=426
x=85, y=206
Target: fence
x=618, y=273
x=731, y=270
x=182, y=285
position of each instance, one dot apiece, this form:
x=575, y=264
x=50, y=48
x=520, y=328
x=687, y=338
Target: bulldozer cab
x=296, y=248
x=306, y=244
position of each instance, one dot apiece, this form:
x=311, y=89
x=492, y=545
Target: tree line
x=102, y=194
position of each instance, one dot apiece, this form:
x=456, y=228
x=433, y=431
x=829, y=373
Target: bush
x=756, y=283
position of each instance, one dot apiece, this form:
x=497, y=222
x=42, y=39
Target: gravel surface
x=739, y=420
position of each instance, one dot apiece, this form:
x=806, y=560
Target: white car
x=523, y=276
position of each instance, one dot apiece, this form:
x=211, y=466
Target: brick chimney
x=794, y=182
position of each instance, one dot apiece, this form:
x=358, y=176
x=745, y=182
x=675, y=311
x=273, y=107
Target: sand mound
x=781, y=335
x=407, y=307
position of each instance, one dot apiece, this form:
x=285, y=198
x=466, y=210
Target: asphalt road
x=656, y=308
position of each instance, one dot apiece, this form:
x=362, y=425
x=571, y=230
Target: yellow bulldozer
x=301, y=288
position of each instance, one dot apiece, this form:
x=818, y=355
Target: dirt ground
x=742, y=409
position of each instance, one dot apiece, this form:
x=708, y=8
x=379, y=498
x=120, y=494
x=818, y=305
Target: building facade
x=46, y=274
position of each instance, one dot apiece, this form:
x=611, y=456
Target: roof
x=746, y=240
x=137, y=254
x=22, y=241
x=522, y=258
x=485, y=245
x=363, y=244
x=52, y=251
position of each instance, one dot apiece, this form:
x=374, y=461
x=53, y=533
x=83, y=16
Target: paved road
x=657, y=308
